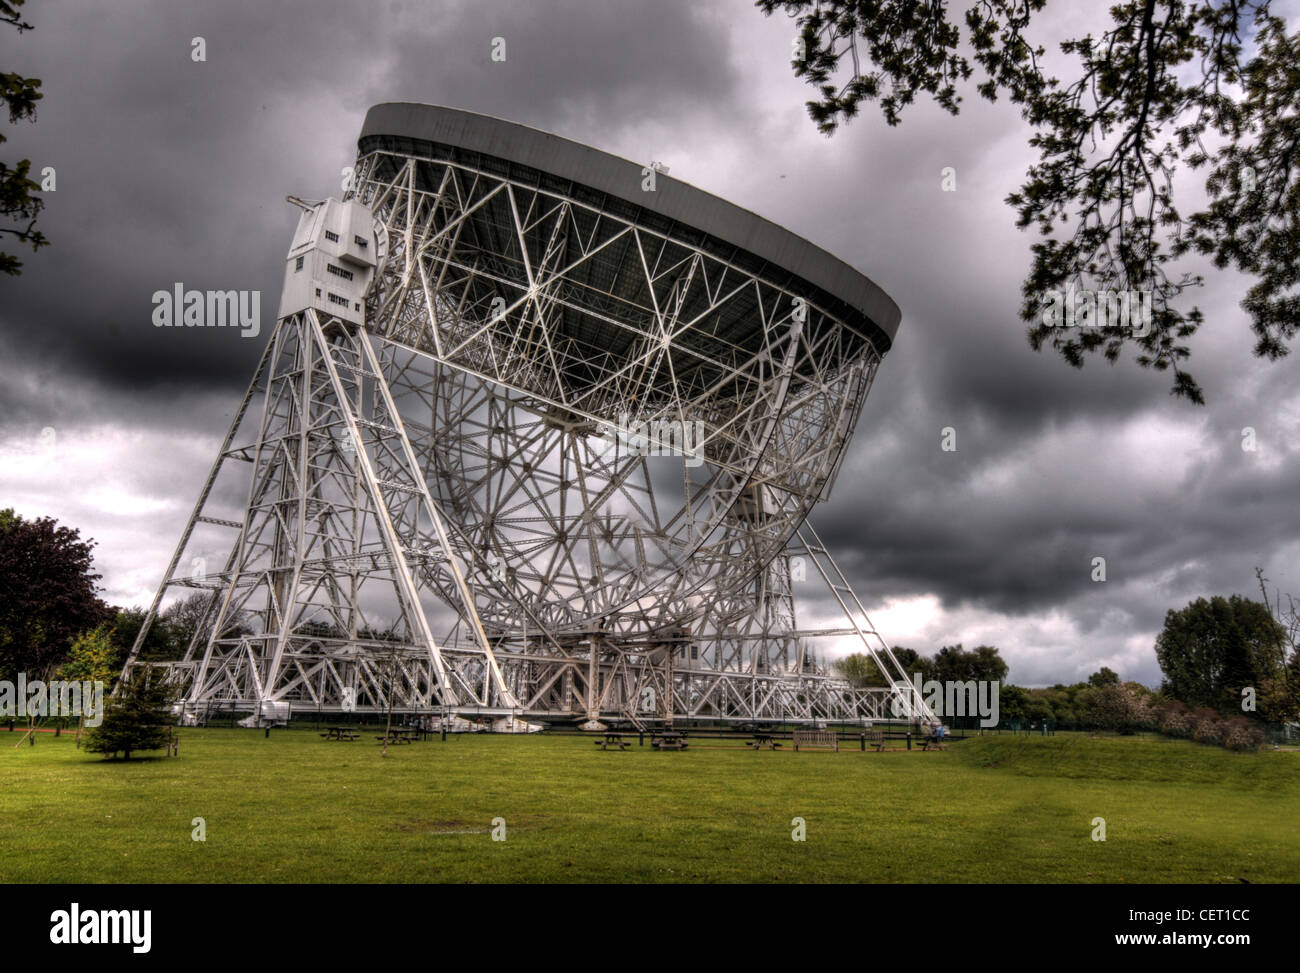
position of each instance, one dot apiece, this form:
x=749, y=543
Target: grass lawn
x=993, y=809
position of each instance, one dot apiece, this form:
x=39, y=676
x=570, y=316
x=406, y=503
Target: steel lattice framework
x=558, y=466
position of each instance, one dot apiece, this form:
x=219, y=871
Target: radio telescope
x=536, y=436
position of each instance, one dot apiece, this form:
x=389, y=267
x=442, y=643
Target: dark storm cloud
x=171, y=170
x=587, y=71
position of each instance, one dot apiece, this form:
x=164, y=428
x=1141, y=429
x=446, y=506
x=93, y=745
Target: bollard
x=268, y=733
x=909, y=739
x=863, y=738
x=640, y=738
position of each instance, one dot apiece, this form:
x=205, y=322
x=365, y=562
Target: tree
x=861, y=670
x=1065, y=710
x=47, y=593
x=1117, y=708
x=1279, y=694
x=1038, y=708
x=182, y=620
x=1287, y=617
x=19, y=202
x=92, y=658
x=1104, y=677
x=955, y=664
x=126, y=626
x=1164, y=79
x=1278, y=700
x=988, y=664
x=138, y=718
x=1013, y=703
x=913, y=662
x=1211, y=650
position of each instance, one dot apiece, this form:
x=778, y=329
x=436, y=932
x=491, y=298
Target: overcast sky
x=170, y=170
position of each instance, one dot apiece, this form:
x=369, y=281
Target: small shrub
x=1241, y=734
x=1206, y=726
x=137, y=718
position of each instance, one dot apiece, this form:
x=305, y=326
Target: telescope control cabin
x=331, y=261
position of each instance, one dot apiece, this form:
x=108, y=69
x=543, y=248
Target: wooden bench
x=877, y=740
x=824, y=739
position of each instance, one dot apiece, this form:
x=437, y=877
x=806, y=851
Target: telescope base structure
x=729, y=698
x=624, y=686
x=339, y=511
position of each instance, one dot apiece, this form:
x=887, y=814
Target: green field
x=993, y=809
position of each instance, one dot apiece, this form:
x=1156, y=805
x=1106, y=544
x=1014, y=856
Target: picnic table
x=612, y=740
x=763, y=740
x=341, y=733
x=398, y=734
x=668, y=740
x=932, y=742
